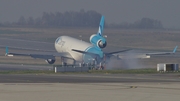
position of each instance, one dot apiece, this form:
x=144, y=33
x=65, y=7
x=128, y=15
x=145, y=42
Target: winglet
x=101, y=26
x=175, y=49
x=7, y=50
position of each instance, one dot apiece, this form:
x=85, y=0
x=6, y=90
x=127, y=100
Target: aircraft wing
x=143, y=55
x=93, y=54
x=39, y=56
x=162, y=53
x=96, y=56
x=111, y=53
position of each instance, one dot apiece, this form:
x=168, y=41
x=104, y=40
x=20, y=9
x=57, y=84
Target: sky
x=115, y=11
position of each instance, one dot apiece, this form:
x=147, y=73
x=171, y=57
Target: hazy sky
x=168, y=11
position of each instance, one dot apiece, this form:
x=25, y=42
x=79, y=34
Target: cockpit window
x=57, y=40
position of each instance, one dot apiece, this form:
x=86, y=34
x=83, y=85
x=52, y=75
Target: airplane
x=72, y=50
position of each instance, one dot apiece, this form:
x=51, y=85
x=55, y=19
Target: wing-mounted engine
x=98, y=41
x=50, y=61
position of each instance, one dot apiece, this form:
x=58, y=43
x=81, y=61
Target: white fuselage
x=65, y=44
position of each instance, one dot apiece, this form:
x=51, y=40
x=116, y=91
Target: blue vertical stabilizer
x=175, y=49
x=101, y=26
x=7, y=50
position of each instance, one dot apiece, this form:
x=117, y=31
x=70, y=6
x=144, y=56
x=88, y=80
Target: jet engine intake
x=98, y=40
x=50, y=61
x=101, y=44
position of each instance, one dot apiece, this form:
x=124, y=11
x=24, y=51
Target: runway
x=78, y=77
x=18, y=67
x=89, y=87
x=86, y=86
x=88, y=78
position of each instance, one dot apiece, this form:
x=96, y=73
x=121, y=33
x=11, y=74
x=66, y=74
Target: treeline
x=66, y=19
x=144, y=23
x=80, y=19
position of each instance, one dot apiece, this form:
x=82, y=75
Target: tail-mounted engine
x=98, y=40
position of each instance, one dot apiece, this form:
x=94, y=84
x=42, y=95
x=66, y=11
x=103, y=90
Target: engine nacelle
x=98, y=40
x=50, y=61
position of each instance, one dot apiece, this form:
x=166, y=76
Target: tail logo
x=100, y=30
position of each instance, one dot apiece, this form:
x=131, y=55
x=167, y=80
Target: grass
x=125, y=71
x=130, y=71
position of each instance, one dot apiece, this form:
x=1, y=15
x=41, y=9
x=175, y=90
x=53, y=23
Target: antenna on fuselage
x=80, y=37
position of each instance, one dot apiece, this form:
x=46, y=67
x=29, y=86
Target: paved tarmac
x=89, y=87
x=18, y=67
x=140, y=91
x=88, y=78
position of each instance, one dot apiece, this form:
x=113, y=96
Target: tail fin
x=175, y=49
x=101, y=26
